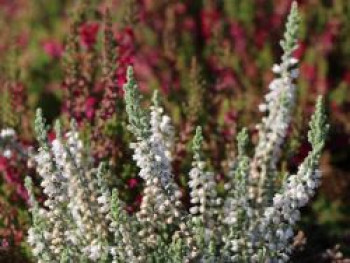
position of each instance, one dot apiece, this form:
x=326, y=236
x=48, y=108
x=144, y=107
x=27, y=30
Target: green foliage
x=289, y=43
x=138, y=120
x=318, y=126
x=41, y=129
x=197, y=140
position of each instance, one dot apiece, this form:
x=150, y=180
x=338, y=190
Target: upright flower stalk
x=237, y=213
x=202, y=184
x=161, y=197
x=276, y=224
x=278, y=105
x=73, y=224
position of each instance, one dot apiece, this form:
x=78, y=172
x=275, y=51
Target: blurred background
x=211, y=61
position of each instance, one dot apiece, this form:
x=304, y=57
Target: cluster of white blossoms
x=278, y=105
x=237, y=211
x=161, y=206
x=71, y=220
x=83, y=220
x=7, y=137
x=276, y=225
x=203, y=195
x=8, y=143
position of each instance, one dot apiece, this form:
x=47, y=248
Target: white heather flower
x=278, y=105
x=84, y=219
x=276, y=69
x=7, y=153
x=7, y=133
x=201, y=183
x=293, y=61
x=39, y=247
x=152, y=156
x=94, y=252
x=73, y=216
x=9, y=145
x=262, y=107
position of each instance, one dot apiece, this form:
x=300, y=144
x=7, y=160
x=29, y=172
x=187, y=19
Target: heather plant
x=84, y=220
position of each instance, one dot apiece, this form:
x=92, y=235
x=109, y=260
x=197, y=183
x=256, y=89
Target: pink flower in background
x=90, y=108
x=130, y=209
x=169, y=82
x=261, y=36
x=228, y=80
x=209, y=22
x=299, y=52
x=144, y=68
x=126, y=52
x=326, y=41
x=4, y=243
x=10, y=169
x=88, y=34
x=228, y=133
x=238, y=36
x=322, y=85
x=250, y=68
x=180, y=8
x=9, y=7
x=132, y=183
x=3, y=163
x=188, y=24
x=308, y=71
x=328, y=37
x=335, y=107
x=219, y=177
x=214, y=63
x=19, y=97
x=53, y=48
x=51, y=135
x=276, y=20
x=23, y=40
x=230, y=117
x=9, y=172
x=138, y=199
x=135, y=205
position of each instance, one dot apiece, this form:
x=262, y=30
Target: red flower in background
x=299, y=52
x=180, y=8
x=308, y=72
x=188, y=24
x=3, y=163
x=4, y=243
x=238, y=36
x=53, y=48
x=138, y=200
x=299, y=157
x=126, y=52
x=209, y=21
x=90, y=108
x=12, y=174
x=261, y=36
x=132, y=183
x=88, y=34
x=51, y=135
x=130, y=209
x=328, y=37
x=228, y=80
x=23, y=40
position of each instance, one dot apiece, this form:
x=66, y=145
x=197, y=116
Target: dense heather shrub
x=83, y=220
